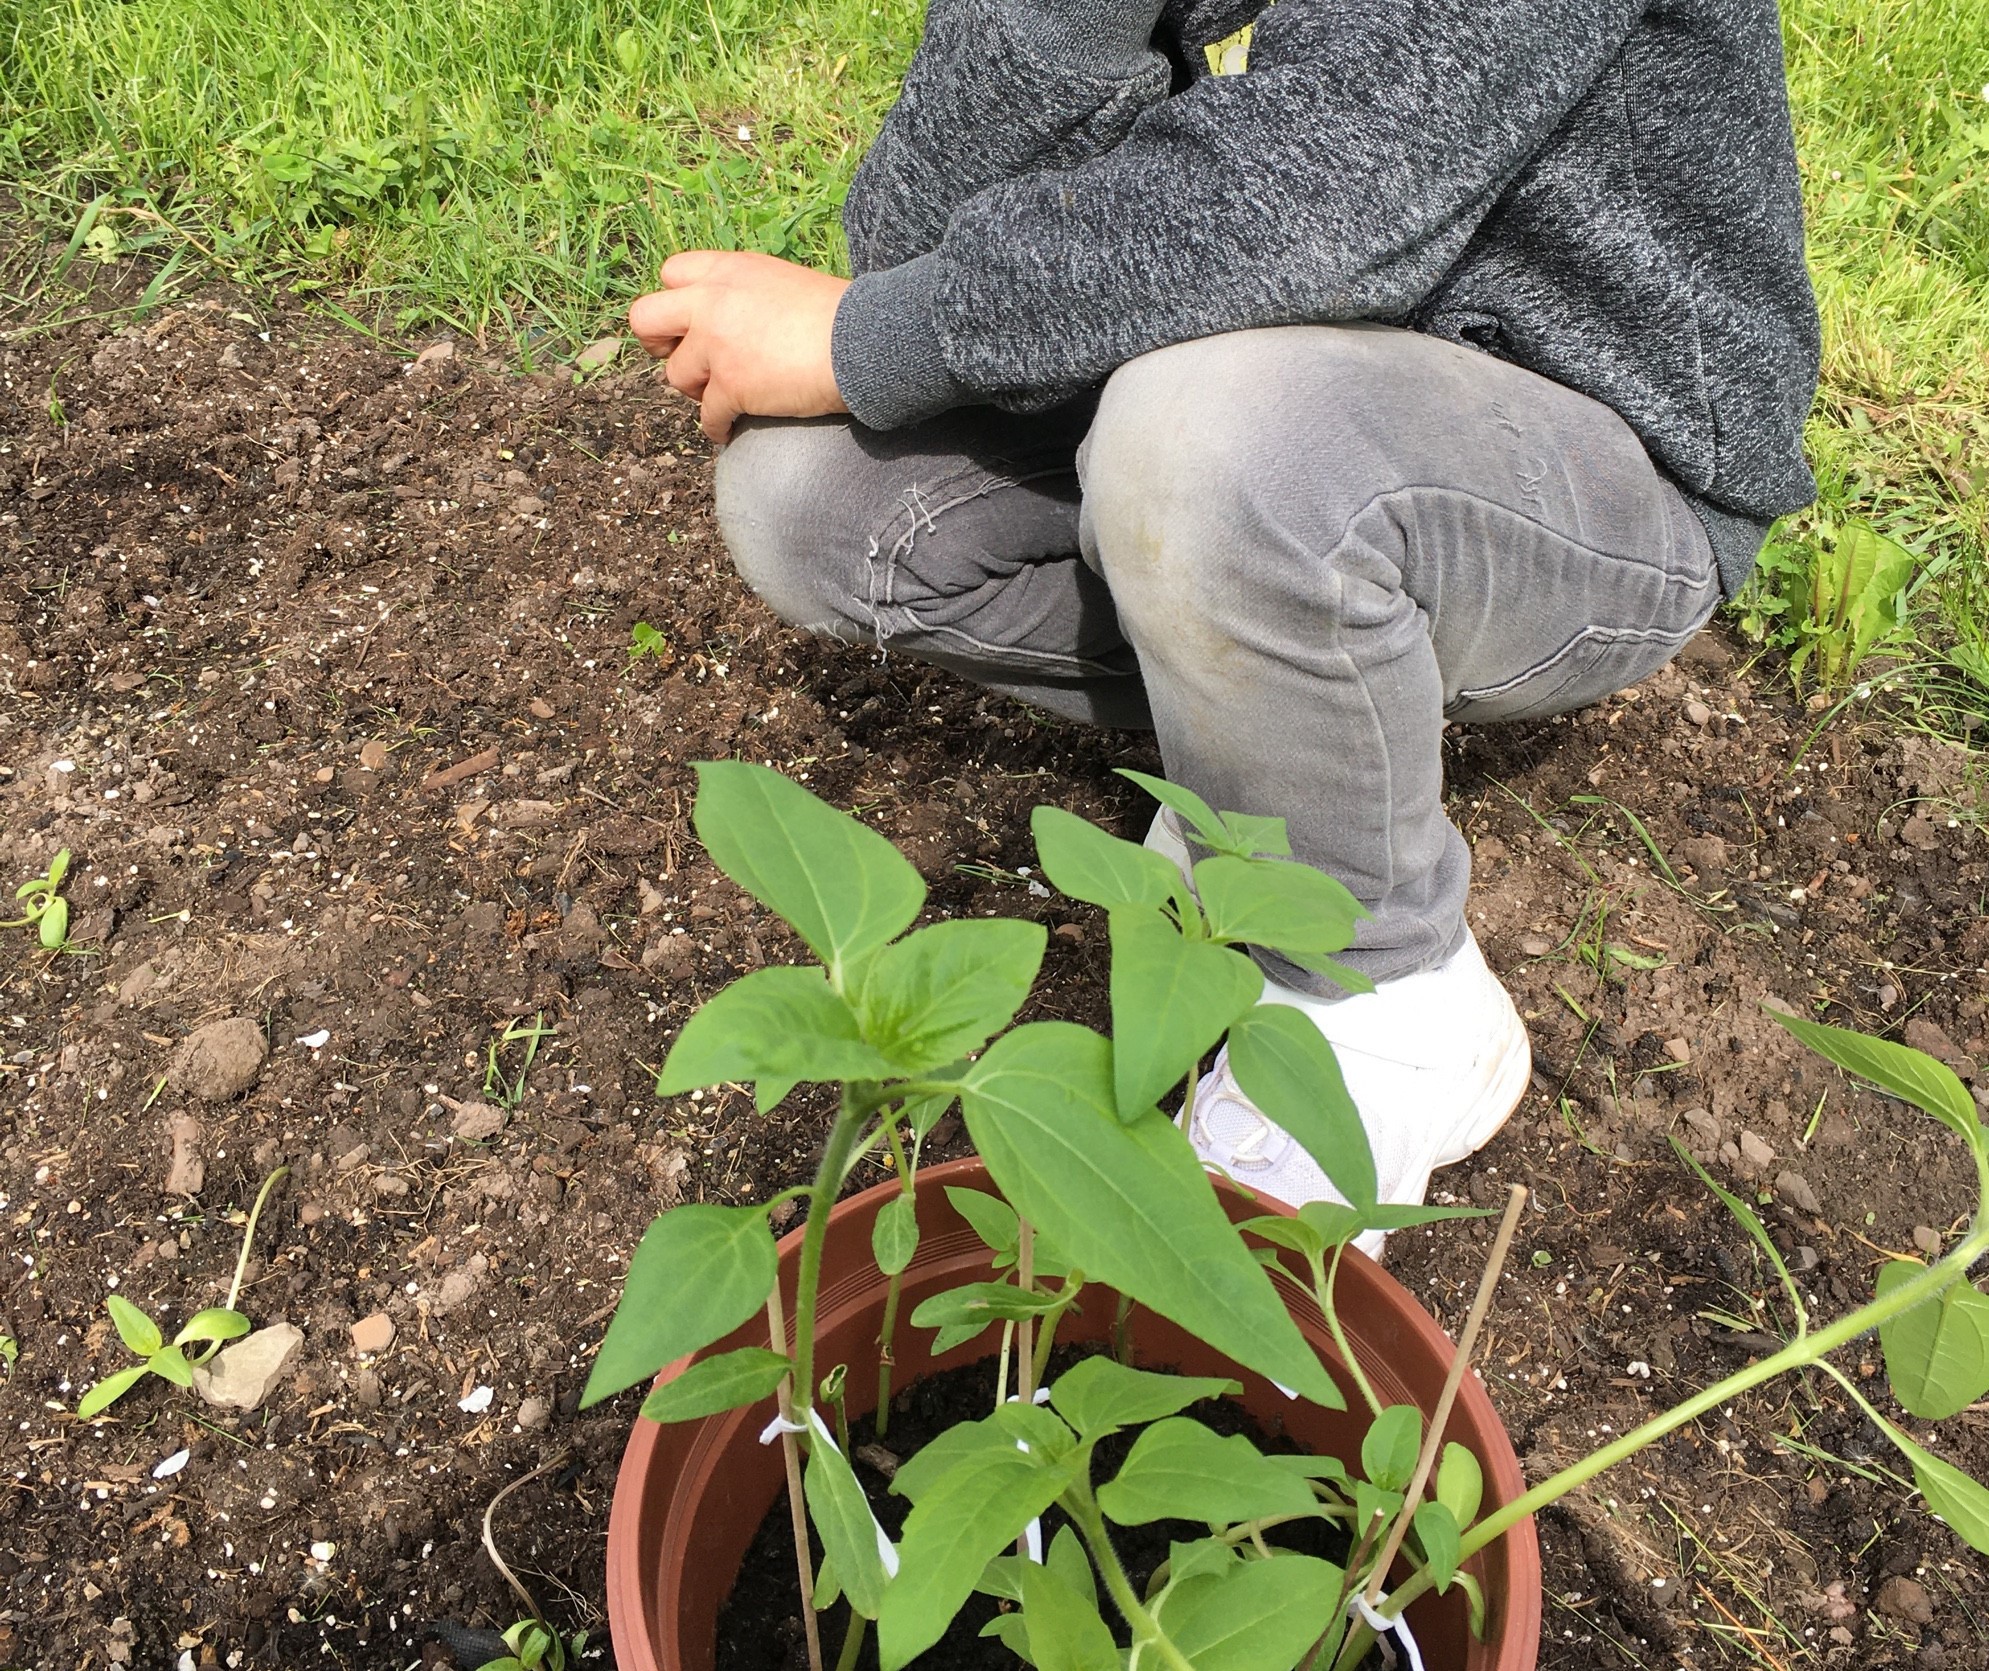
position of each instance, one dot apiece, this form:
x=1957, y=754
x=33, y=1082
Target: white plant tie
x=1381, y=1625
x=1032, y=1534
x=887, y=1551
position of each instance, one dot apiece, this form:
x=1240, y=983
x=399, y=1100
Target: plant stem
x=885, y=1336
x=1460, y=1360
x=797, y=1507
x=249, y=1233
x=1025, y=1327
x=852, y=1641
x=1799, y=1354
x=858, y=1103
x=1324, y=1283
x=1047, y=1338
x=1079, y=1504
x=1122, y=1331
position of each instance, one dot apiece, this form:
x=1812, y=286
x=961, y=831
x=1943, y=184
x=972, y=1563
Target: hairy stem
x=1122, y=1331
x=886, y=1335
x=1082, y=1507
x=852, y=1641
x=1047, y=1326
x=797, y=1507
x=859, y=1101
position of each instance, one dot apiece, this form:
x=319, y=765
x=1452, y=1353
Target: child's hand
x=744, y=334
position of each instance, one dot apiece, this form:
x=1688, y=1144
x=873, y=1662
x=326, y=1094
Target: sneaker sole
x=1501, y=1097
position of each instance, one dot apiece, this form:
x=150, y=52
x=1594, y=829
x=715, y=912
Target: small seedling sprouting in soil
x=47, y=911
x=209, y=1330
x=495, y=1085
x=645, y=640
x=536, y=1646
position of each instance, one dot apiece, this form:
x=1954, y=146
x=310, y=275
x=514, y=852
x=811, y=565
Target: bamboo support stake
x=1501, y=1245
x=797, y=1504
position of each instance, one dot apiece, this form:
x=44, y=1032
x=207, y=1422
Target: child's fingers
x=717, y=412
x=660, y=320
x=690, y=266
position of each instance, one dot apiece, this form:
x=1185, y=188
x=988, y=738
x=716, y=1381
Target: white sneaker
x=1435, y=1062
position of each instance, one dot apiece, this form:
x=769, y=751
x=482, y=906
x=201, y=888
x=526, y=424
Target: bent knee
x=774, y=492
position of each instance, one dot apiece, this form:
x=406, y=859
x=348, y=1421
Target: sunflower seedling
x=47, y=911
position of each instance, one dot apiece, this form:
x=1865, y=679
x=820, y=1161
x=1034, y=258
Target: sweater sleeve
x=998, y=89
x=1337, y=179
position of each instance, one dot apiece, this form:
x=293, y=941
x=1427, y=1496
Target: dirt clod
x=221, y=1060
x=374, y=1334
x=1906, y=1598
x=186, y=1171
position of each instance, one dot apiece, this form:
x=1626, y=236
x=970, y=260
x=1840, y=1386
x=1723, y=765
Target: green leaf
x=698, y=1273
x=1068, y=1561
x=170, y=1362
x=1284, y=1065
x=215, y=1323
x=1436, y=1530
x=952, y=1335
x=894, y=1237
x=55, y=925
x=110, y=1389
x=828, y=1587
x=1297, y=1234
x=1126, y=1202
x=1047, y=1438
x=1951, y=1494
x=842, y=1517
x=1329, y=1468
x=1460, y=1483
x=1101, y=1395
x=1389, y=1447
x=1204, y=1555
x=1065, y=1631
x=923, y=1113
x=57, y=869
x=969, y=1515
x=1179, y=1470
x=1289, y=907
x=1334, y=1222
x=1172, y=999
x=840, y=885
x=1748, y=1221
x=1002, y=1577
x=1937, y=1354
x=1081, y=860
x=1201, y=817
x=777, y=1026
x=134, y=1328
x=1257, y=1616
x=1905, y=1072
x=928, y=1465
x=946, y=990
x=1251, y=835
x=988, y=1216
x=978, y=1303
x=711, y=1385
x=1012, y=1632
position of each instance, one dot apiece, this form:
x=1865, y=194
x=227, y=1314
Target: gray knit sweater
x=1602, y=191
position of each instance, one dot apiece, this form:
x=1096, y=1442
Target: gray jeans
x=1294, y=553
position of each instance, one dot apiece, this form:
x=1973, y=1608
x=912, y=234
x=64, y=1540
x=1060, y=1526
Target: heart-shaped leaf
x=837, y=883
x=1937, y=1354
x=946, y=990
x=776, y=1026
x=894, y=1237
x=698, y=1273
x=1179, y=1470
x=1081, y=860
x=1100, y=1395
x=1291, y=908
x=1905, y=1072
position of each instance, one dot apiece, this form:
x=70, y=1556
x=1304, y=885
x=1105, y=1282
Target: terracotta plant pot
x=691, y=1496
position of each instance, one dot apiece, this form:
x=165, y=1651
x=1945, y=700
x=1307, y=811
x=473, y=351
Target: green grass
x=520, y=167
x=1892, y=117
x=510, y=163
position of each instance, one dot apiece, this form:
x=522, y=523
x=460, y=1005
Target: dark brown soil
x=319, y=666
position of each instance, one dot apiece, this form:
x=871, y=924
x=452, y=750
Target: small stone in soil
x=1928, y=1240
x=477, y=1122
x=1901, y=1597
x=533, y=1414
x=243, y=1375
x=373, y=1335
x=1794, y=1188
x=1756, y=1152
